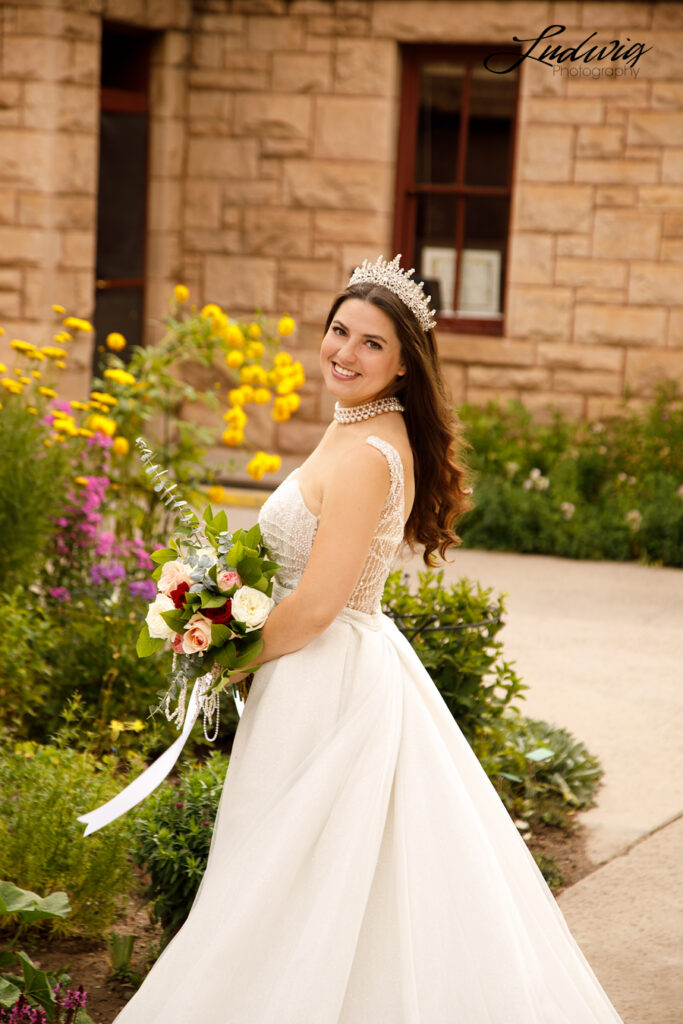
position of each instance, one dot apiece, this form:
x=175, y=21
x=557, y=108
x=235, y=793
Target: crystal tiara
x=398, y=281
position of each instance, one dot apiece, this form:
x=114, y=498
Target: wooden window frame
x=408, y=191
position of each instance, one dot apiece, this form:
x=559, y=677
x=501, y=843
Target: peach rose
x=197, y=634
x=172, y=574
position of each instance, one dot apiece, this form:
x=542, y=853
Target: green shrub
x=607, y=489
x=42, y=792
x=173, y=836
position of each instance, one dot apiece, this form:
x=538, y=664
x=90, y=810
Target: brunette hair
x=435, y=435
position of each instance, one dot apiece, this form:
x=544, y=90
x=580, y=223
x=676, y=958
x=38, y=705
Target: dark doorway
x=122, y=187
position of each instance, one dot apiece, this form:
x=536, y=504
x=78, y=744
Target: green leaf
x=210, y=600
x=207, y=515
x=540, y=754
x=163, y=555
x=147, y=644
x=226, y=655
x=249, y=653
x=249, y=570
x=235, y=555
x=253, y=536
x=175, y=618
x=219, y=523
x=36, y=983
x=220, y=633
x=9, y=993
x=29, y=905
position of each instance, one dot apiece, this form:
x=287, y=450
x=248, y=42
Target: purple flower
x=105, y=543
x=146, y=589
x=59, y=593
x=110, y=573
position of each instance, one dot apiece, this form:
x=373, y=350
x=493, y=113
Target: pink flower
x=177, y=643
x=197, y=634
x=227, y=578
x=172, y=575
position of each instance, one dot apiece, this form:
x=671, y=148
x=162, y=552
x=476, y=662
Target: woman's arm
x=351, y=505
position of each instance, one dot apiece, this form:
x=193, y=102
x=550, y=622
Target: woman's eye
x=338, y=330
x=374, y=344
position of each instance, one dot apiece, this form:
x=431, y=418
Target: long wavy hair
x=441, y=491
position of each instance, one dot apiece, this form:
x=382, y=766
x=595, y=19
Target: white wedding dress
x=363, y=869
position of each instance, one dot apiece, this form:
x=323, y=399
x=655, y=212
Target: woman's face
x=360, y=355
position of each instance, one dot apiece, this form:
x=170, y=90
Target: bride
x=363, y=869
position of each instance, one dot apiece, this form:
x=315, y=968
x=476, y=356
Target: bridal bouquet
x=213, y=598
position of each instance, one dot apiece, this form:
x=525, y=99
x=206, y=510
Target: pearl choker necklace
x=358, y=413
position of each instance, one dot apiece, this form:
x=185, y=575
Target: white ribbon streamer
x=153, y=776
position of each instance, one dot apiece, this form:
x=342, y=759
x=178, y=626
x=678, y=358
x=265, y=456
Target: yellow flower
x=58, y=437
x=286, y=386
x=232, y=438
x=120, y=377
x=78, y=405
x=234, y=359
x=293, y=401
x=58, y=309
x=21, y=346
x=254, y=331
x=116, y=728
x=274, y=463
x=115, y=341
x=32, y=409
x=217, y=495
x=104, y=424
x=247, y=374
x=102, y=396
x=248, y=393
x=181, y=293
x=81, y=481
x=47, y=442
x=234, y=336
x=285, y=326
x=280, y=410
x=74, y=323
x=282, y=359
x=212, y=311
x=47, y=392
x=25, y=380
x=2, y=330
x=65, y=426
x=261, y=396
x=60, y=364
x=236, y=418
x=236, y=396
x=136, y=726
x=121, y=445
x=53, y=353
x=84, y=432
x=37, y=374
x=62, y=337
x=3, y=368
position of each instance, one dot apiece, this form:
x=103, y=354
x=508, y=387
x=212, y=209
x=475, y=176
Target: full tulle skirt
x=363, y=869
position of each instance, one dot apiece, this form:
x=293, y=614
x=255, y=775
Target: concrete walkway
x=600, y=645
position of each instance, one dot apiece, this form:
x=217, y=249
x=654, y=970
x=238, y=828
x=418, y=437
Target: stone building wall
x=273, y=150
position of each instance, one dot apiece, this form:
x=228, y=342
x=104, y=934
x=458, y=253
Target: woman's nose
x=347, y=350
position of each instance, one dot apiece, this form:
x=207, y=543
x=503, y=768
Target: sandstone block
x=277, y=231
x=615, y=195
x=203, y=240
x=302, y=72
x=207, y=50
x=309, y=274
x=316, y=305
x=10, y=280
x=580, y=357
x=570, y=244
x=325, y=250
x=201, y=206
x=600, y=140
x=164, y=204
x=298, y=437
x=222, y=158
x=469, y=348
x=655, y=127
x=574, y=270
x=661, y=195
x=167, y=141
x=22, y=245
x=672, y=225
x=536, y=312
x=284, y=147
x=276, y=33
x=654, y=283
x=163, y=253
x=526, y=378
x=531, y=258
x=29, y=56
x=456, y=382
x=212, y=105
x=233, y=77
x=10, y=100
x=339, y=26
x=254, y=193
x=231, y=217
x=548, y=109
x=168, y=91
x=482, y=396
x=42, y=21
x=587, y=293
x=627, y=234
x=350, y=226
x=173, y=48
x=8, y=206
x=277, y=116
x=27, y=159
x=645, y=368
x=10, y=304
x=454, y=22
x=619, y=325
x=82, y=64
x=668, y=95
x=546, y=152
x=367, y=127
x=672, y=249
x=620, y=172
x=366, y=67
x=553, y=207
x=240, y=282
x=335, y=185
x=675, y=337
x=78, y=250
x=672, y=165
x=595, y=382
x=618, y=94
x=544, y=404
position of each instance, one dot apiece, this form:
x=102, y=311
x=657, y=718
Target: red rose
x=178, y=595
x=222, y=614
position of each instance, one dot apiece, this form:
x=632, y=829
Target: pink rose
x=197, y=634
x=177, y=643
x=227, y=578
x=172, y=575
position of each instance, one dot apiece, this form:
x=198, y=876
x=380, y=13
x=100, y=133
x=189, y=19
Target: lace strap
x=395, y=498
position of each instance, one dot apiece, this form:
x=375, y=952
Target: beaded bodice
x=289, y=527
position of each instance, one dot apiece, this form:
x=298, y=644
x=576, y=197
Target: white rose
x=251, y=607
x=157, y=626
x=172, y=575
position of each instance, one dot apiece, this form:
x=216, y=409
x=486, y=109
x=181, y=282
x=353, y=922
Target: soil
x=89, y=964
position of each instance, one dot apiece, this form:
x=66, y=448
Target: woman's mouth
x=341, y=373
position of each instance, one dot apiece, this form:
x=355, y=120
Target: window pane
x=489, y=135
x=435, y=249
x=483, y=258
x=122, y=195
x=439, y=122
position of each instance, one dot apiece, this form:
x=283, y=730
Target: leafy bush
x=173, y=836
x=42, y=792
x=609, y=489
x=35, y=996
